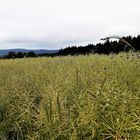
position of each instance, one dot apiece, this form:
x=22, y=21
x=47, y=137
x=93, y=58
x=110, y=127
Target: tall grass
x=70, y=98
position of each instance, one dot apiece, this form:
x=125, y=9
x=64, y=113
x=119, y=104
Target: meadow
x=91, y=97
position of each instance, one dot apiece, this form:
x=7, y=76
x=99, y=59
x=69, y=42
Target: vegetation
x=91, y=97
x=20, y=55
x=104, y=48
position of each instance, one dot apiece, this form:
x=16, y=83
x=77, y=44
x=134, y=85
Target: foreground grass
x=70, y=98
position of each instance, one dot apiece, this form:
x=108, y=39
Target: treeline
x=13, y=55
x=20, y=55
x=101, y=48
x=104, y=48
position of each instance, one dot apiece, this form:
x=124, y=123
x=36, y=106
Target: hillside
x=40, y=51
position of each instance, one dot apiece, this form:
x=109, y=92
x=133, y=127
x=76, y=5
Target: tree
x=31, y=54
x=20, y=55
x=11, y=55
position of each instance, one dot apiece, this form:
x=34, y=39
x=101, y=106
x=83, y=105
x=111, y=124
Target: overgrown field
x=93, y=97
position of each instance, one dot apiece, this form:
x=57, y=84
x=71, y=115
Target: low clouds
x=52, y=24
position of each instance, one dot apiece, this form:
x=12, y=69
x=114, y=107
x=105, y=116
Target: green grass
x=93, y=97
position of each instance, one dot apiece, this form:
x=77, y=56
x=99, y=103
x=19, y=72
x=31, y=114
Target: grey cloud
x=56, y=24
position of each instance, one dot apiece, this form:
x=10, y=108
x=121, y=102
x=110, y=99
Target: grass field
x=93, y=97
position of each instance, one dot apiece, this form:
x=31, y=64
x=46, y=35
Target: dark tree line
x=101, y=48
x=20, y=55
x=104, y=48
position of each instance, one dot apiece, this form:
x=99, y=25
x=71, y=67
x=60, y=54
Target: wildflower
x=138, y=56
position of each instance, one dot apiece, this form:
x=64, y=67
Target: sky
x=55, y=24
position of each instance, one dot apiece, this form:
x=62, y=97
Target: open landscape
x=69, y=70
x=70, y=98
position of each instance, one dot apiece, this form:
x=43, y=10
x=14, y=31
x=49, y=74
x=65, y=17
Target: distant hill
x=41, y=51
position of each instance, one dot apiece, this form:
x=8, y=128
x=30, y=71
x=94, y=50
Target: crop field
x=92, y=97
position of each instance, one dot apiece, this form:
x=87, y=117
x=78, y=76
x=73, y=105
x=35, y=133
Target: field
x=93, y=97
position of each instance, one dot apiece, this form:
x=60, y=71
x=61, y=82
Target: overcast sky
x=54, y=24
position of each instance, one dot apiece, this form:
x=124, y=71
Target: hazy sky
x=53, y=24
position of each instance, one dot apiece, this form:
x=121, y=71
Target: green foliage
x=92, y=97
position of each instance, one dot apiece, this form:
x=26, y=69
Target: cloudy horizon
x=55, y=24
